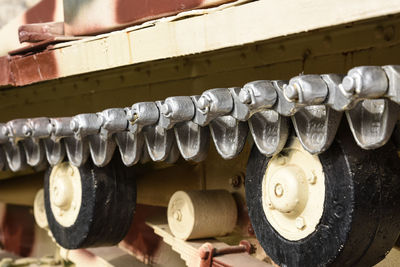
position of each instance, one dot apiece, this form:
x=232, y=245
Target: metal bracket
x=15, y=156
x=77, y=150
x=268, y=128
x=306, y=90
x=11, y=137
x=365, y=82
x=193, y=140
x=258, y=95
x=102, y=145
x=130, y=146
x=212, y=104
x=229, y=135
x=393, y=74
x=336, y=98
x=175, y=109
x=372, y=122
x=35, y=130
x=177, y=112
x=58, y=129
x=316, y=127
x=270, y=131
x=283, y=106
x=77, y=147
x=159, y=141
x=214, y=108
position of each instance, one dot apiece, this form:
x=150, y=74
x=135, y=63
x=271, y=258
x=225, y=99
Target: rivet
x=312, y=179
x=300, y=223
x=235, y=181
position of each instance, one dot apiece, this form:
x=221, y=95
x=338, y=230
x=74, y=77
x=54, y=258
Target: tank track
x=161, y=130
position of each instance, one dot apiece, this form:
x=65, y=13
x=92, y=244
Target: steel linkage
x=161, y=130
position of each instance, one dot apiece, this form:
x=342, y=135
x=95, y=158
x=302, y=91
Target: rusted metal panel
x=6, y=77
x=37, y=67
x=98, y=16
x=21, y=70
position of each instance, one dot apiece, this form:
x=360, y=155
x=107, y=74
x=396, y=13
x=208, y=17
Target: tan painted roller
x=39, y=210
x=201, y=214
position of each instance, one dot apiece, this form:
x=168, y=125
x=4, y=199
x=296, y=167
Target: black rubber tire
x=361, y=218
x=106, y=213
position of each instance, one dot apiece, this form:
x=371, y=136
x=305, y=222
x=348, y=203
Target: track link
x=182, y=125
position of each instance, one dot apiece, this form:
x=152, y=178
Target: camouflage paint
x=44, y=11
x=88, y=17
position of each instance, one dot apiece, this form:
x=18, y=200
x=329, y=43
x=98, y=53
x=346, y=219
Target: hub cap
x=65, y=193
x=294, y=192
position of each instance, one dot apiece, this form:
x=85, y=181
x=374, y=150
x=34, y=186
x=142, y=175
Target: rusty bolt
x=236, y=181
x=300, y=223
x=312, y=179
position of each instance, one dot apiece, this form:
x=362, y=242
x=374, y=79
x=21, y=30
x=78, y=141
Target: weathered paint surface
x=5, y=71
x=96, y=16
x=44, y=11
x=38, y=67
x=37, y=32
x=207, y=32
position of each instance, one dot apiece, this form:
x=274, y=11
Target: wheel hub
x=65, y=193
x=62, y=192
x=294, y=192
x=287, y=189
